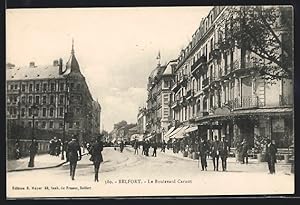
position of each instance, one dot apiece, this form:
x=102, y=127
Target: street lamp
x=33, y=147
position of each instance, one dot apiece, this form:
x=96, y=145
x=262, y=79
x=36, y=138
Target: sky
x=116, y=47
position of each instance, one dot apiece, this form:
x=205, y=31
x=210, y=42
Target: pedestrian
x=121, y=146
x=203, y=150
x=215, y=153
x=64, y=149
x=154, y=146
x=96, y=155
x=147, y=146
x=245, y=148
x=163, y=146
x=224, y=153
x=17, y=149
x=33, y=149
x=58, y=147
x=52, y=147
x=271, y=151
x=73, y=154
x=136, y=147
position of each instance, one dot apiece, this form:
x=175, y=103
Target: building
x=141, y=121
x=61, y=97
x=158, y=115
x=217, y=91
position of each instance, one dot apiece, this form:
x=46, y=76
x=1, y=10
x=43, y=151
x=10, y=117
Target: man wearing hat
x=74, y=154
x=224, y=152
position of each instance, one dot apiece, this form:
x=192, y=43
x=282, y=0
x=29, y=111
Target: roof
x=36, y=72
x=169, y=68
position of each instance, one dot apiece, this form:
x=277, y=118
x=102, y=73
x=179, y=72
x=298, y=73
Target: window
x=51, y=112
x=29, y=112
x=52, y=86
x=61, y=99
x=51, y=124
x=43, y=124
x=61, y=124
x=61, y=111
x=44, y=99
x=30, y=99
x=16, y=86
x=11, y=87
x=78, y=98
x=70, y=125
x=29, y=124
x=45, y=87
x=52, y=99
x=36, y=124
x=77, y=124
x=37, y=99
x=72, y=86
x=61, y=86
x=37, y=87
x=23, y=99
x=44, y=112
x=23, y=112
x=78, y=86
x=23, y=88
x=30, y=87
x=78, y=110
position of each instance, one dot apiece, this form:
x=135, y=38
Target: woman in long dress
x=96, y=156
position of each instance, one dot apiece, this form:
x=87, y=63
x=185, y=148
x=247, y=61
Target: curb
x=39, y=168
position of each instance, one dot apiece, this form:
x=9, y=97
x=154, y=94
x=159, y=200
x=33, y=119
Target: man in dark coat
x=33, y=149
x=136, y=147
x=97, y=157
x=215, y=153
x=121, y=146
x=224, y=152
x=245, y=147
x=73, y=154
x=154, y=146
x=271, y=151
x=203, y=150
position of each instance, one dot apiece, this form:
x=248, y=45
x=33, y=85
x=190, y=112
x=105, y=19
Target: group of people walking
x=146, y=145
x=55, y=146
x=74, y=155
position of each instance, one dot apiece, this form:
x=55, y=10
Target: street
x=125, y=174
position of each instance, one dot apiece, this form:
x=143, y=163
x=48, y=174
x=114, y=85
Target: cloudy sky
x=115, y=47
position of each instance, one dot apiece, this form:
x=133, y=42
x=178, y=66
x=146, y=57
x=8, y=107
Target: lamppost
x=33, y=147
x=65, y=119
x=163, y=134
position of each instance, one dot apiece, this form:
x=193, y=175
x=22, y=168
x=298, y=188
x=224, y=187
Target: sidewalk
x=41, y=161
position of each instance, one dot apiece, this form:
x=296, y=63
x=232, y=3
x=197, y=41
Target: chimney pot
x=55, y=63
x=32, y=64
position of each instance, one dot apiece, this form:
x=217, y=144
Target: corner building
x=61, y=94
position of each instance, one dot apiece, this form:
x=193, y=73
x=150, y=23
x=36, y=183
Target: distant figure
x=271, y=151
x=215, y=153
x=17, y=149
x=121, y=146
x=74, y=155
x=224, y=153
x=33, y=149
x=136, y=147
x=203, y=150
x=143, y=148
x=96, y=157
x=52, y=145
x=147, y=146
x=58, y=147
x=163, y=146
x=154, y=145
x=245, y=148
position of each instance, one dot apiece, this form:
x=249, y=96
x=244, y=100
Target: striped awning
x=174, y=132
x=181, y=133
x=169, y=131
x=191, y=129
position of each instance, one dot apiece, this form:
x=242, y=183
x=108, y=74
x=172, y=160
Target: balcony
x=245, y=102
x=176, y=86
x=205, y=82
x=190, y=94
x=175, y=104
x=183, y=79
x=285, y=100
x=214, y=54
x=201, y=61
x=183, y=100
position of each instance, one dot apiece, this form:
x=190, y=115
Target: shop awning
x=174, y=132
x=191, y=129
x=181, y=133
x=169, y=131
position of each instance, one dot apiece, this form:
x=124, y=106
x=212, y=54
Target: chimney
x=31, y=64
x=55, y=63
x=60, y=72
